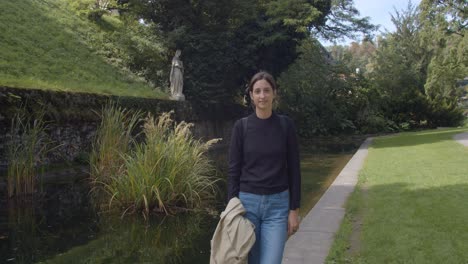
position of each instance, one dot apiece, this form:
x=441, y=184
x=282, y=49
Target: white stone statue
x=177, y=77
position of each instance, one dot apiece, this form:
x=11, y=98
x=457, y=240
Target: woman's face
x=262, y=95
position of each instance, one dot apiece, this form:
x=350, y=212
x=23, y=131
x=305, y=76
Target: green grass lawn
x=410, y=204
x=44, y=44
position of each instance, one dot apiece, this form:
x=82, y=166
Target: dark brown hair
x=262, y=75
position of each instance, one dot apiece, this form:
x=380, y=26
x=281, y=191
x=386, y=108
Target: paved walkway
x=311, y=243
x=462, y=138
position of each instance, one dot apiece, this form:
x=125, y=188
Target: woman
x=264, y=172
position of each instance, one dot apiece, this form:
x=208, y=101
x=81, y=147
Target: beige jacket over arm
x=234, y=236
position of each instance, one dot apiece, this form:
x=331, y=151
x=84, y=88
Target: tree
x=315, y=94
x=400, y=63
x=355, y=57
x=415, y=71
x=444, y=32
x=342, y=21
x=338, y=52
x=448, y=16
x=223, y=41
x=102, y=4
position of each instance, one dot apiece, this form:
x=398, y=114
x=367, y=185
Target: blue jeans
x=269, y=214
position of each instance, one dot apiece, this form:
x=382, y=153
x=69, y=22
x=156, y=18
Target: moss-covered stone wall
x=73, y=117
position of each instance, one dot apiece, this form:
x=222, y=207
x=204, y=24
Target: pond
x=63, y=227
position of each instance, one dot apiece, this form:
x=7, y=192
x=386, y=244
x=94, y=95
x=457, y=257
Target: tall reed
x=27, y=147
x=169, y=169
x=113, y=140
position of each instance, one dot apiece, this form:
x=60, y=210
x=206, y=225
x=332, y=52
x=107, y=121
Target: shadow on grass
x=44, y=52
x=399, y=223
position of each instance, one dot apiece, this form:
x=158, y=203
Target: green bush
x=445, y=112
x=314, y=94
x=376, y=123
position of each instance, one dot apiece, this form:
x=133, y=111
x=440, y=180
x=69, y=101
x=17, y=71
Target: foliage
x=169, y=168
x=355, y=56
x=301, y=16
x=224, y=42
x=315, y=94
x=415, y=81
x=342, y=21
x=445, y=112
x=124, y=41
x=93, y=9
x=113, y=139
x=448, y=16
x=410, y=110
x=446, y=68
x=400, y=55
x=326, y=97
x=46, y=45
x=27, y=147
x=444, y=33
x=389, y=93
x=367, y=108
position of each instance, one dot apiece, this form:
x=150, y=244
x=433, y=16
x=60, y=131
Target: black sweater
x=264, y=160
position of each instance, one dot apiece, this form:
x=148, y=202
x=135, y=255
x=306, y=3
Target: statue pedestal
x=178, y=97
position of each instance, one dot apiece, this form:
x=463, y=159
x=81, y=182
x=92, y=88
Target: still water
x=63, y=227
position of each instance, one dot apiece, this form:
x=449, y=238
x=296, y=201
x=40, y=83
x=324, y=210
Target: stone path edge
x=313, y=240
x=462, y=138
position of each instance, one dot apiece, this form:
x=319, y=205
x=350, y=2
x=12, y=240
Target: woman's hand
x=293, y=221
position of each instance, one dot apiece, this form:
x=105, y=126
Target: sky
x=379, y=12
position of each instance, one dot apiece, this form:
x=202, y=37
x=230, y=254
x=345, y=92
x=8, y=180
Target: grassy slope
x=410, y=205
x=42, y=45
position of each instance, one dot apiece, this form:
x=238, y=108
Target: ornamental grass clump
x=27, y=148
x=113, y=140
x=169, y=169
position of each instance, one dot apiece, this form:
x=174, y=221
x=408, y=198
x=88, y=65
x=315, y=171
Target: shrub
x=168, y=169
x=444, y=112
x=375, y=123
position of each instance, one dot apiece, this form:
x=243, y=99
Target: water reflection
x=131, y=240
x=33, y=229
x=319, y=170
x=30, y=236
x=322, y=159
